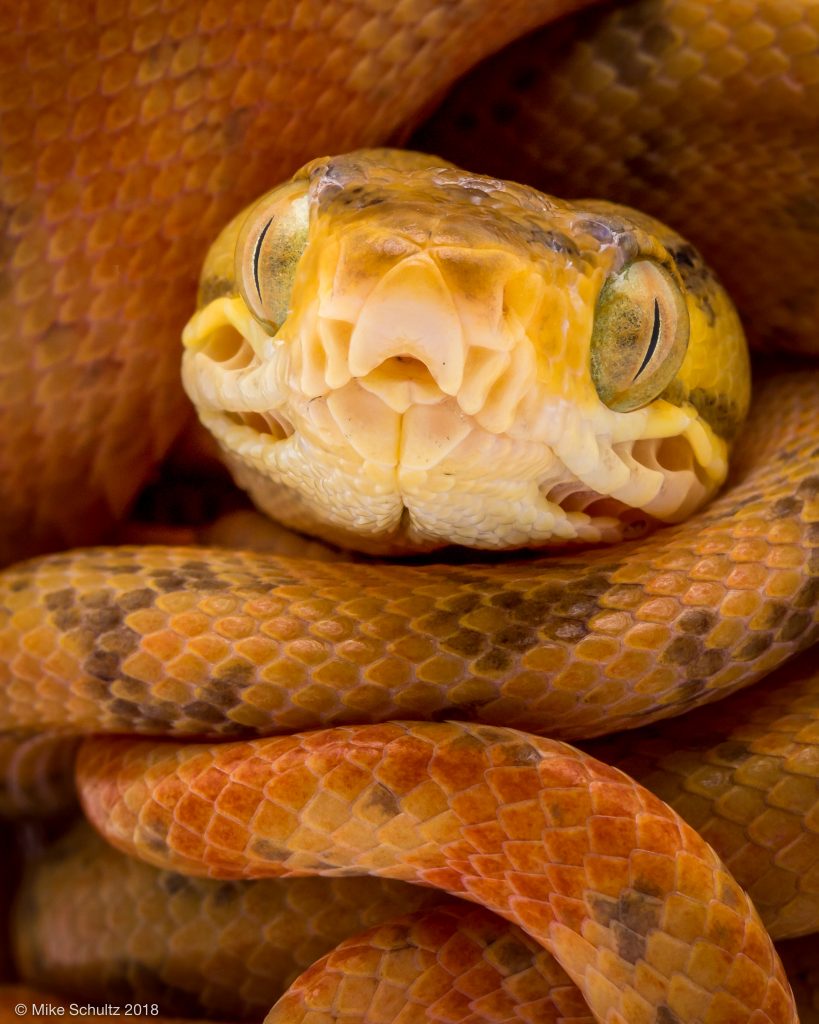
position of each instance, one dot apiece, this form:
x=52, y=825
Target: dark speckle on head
x=211, y=288
x=156, y=842
x=696, y=276
x=236, y=674
x=718, y=410
x=690, y=691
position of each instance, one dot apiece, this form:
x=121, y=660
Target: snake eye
x=640, y=336
x=268, y=250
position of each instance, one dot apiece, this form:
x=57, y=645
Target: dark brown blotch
x=511, y=955
x=788, y=506
x=384, y=800
x=520, y=754
x=200, y=711
x=103, y=665
x=708, y=663
x=718, y=410
x=172, y=882
x=732, y=753
x=225, y=894
x=493, y=662
x=630, y=945
x=468, y=643
x=681, y=651
x=697, y=620
x=60, y=600
x=755, y=645
x=267, y=850
x=134, y=600
x=808, y=594
x=236, y=674
x=794, y=625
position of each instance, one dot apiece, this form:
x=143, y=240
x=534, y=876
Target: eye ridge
x=655, y=337
x=256, y=254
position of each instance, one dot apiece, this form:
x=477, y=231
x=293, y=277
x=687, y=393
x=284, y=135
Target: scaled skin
x=708, y=607
x=633, y=904
x=425, y=377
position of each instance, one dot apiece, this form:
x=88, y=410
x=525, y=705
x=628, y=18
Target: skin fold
x=129, y=140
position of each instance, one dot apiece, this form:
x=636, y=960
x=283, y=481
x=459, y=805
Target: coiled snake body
x=177, y=117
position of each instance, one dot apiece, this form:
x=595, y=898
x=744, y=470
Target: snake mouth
x=384, y=448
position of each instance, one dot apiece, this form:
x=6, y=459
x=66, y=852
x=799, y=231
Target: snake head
x=398, y=355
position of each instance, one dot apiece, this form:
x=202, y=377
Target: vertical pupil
x=652, y=345
x=256, y=255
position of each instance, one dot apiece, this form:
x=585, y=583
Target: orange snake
x=178, y=114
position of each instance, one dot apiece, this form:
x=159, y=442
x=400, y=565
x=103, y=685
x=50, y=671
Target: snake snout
x=409, y=329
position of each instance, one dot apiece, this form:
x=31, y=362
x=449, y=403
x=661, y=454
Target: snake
x=166, y=113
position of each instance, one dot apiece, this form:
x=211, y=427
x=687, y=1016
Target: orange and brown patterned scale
x=635, y=906
x=102, y=926
x=745, y=773
x=130, y=134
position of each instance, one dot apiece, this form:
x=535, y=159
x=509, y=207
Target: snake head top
x=397, y=355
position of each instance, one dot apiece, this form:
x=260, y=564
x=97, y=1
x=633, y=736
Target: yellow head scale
x=398, y=355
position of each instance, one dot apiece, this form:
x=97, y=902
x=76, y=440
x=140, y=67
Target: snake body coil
x=130, y=138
